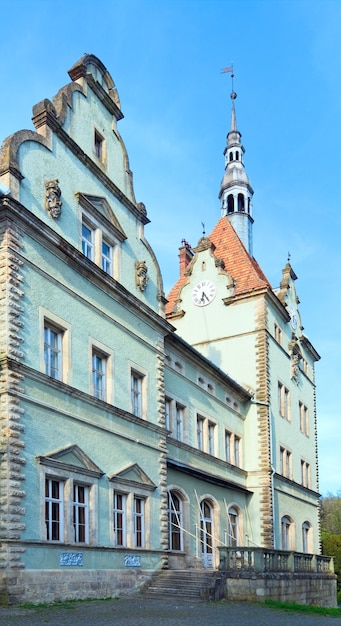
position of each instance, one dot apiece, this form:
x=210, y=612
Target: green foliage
x=331, y=514
x=331, y=533
x=303, y=608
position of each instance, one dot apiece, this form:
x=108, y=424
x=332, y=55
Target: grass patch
x=303, y=608
x=63, y=604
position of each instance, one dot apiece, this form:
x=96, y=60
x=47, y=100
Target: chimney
x=185, y=256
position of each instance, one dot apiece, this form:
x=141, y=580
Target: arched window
x=230, y=203
x=306, y=532
x=237, y=155
x=286, y=532
x=230, y=156
x=248, y=205
x=233, y=527
x=241, y=203
x=206, y=533
x=175, y=521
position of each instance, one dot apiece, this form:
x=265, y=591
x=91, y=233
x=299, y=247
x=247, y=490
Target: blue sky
x=165, y=58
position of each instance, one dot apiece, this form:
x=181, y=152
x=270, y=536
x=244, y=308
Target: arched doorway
x=206, y=534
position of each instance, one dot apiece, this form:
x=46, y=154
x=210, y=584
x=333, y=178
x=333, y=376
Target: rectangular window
x=136, y=394
x=98, y=145
x=81, y=513
x=99, y=368
x=278, y=334
x=53, y=352
x=54, y=509
x=107, y=257
x=236, y=450
x=88, y=242
x=285, y=463
x=168, y=413
x=200, y=433
x=120, y=519
x=139, y=522
x=228, y=437
x=304, y=418
x=305, y=474
x=210, y=433
x=284, y=401
x=179, y=421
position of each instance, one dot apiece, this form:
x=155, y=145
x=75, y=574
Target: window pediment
x=98, y=207
x=133, y=476
x=71, y=458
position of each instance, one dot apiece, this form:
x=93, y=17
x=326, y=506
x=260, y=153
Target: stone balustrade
x=253, y=559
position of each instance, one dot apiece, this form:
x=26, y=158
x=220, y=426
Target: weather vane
x=203, y=229
x=229, y=70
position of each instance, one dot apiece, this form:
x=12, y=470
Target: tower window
x=237, y=155
x=241, y=203
x=230, y=203
x=231, y=157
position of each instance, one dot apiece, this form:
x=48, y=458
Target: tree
x=331, y=532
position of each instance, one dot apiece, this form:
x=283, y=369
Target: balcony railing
x=264, y=560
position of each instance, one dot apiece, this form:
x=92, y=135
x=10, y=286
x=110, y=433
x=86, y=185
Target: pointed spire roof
x=237, y=262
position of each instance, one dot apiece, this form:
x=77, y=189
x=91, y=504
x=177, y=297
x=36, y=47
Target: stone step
x=191, y=584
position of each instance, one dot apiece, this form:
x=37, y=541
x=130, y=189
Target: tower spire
x=235, y=189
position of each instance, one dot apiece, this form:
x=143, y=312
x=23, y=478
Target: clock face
x=203, y=293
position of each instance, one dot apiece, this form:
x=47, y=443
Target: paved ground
x=145, y=612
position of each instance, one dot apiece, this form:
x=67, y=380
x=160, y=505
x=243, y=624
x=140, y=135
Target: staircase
x=192, y=585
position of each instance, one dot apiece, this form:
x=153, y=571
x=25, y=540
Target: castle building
x=138, y=433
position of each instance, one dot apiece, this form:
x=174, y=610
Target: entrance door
x=206, y=534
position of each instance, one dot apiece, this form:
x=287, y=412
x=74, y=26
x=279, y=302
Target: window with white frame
x=139, y=533
x=69, y=485
x=304, y=418
x=228, y=438
x=285, y=463
x=306, y=532
x=101, y=234
x=284, y=401
x=233, y=527
x=206, y=435
x=175, y=414
x=286, y=527
x=107, y=256
x=54, y=509
x=120, y=519
x=81, y=513
x=175, y=521
x=88, y=241
x=211, y=437
x=278, y=334
x=53, y=351
x=305, y=473
x=136, y=391
x=179, y=421
x=99, y=375
x=233, y=452
x=200, y=432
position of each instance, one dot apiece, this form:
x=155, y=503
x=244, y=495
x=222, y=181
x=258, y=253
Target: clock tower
x=224, y=306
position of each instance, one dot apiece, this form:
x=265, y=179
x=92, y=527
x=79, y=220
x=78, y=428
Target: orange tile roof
x=243, y=268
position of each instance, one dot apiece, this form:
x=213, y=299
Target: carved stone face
x=52, y=198
x=141, y=277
